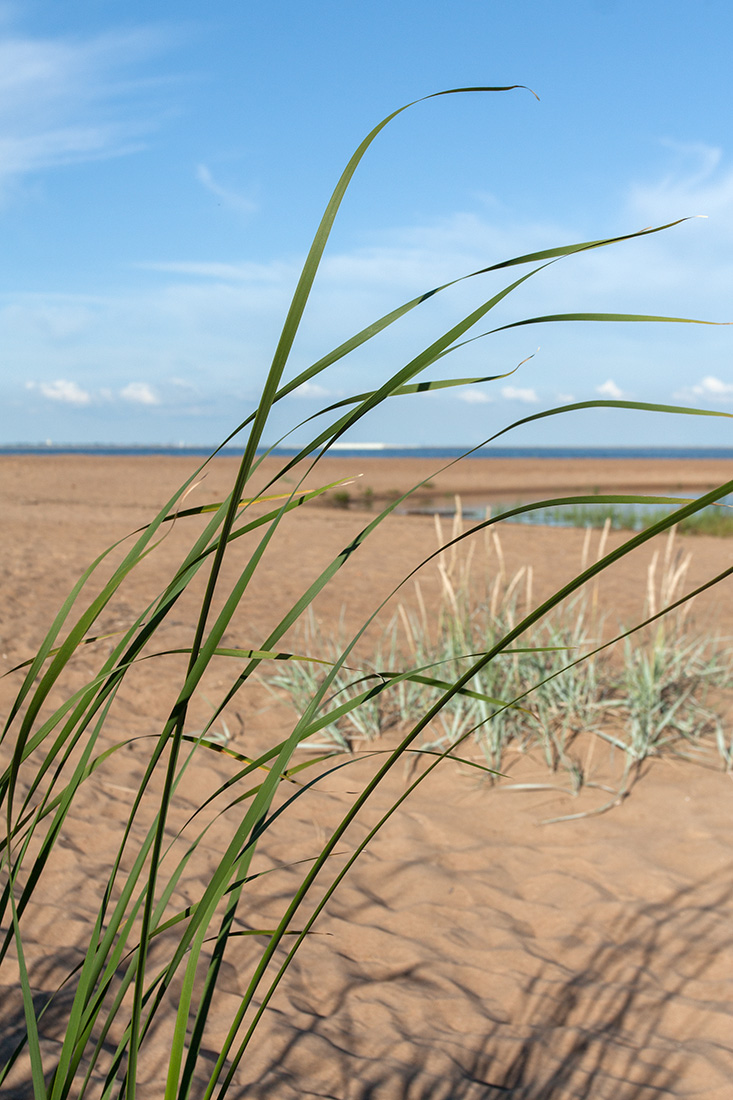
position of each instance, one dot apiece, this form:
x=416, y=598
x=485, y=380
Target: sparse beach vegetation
x=716, y=521
x=657, y=696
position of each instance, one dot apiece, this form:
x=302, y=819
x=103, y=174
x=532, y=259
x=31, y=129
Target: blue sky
x=164, y=166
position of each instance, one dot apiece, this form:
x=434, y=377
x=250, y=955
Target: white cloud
x=233, y=200
x=312, y=389
x=139, y=393
x=713, y=387
x=474, y=396
x=62, y=390
x=611, y=390
x=710, y=388
x=526, y=396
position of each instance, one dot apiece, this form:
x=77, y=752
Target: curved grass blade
x=433, y=711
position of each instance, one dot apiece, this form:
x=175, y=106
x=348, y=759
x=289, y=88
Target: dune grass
x=658, y=699
x=147, y=973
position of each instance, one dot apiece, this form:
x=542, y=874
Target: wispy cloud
x=69, y=99
x=229, y=198
x=696, y=176
x=246, y=272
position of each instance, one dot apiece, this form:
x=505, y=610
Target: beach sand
x=472, y=952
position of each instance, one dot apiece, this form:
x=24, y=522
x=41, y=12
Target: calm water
x=625, y=516
x=379, y=450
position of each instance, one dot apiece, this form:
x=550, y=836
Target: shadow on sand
x=629, y=1024
x=623, y=1026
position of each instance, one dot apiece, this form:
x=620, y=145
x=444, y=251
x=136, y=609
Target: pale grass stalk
x=528, y=590
x=667, y=569
x=603, y=539
x=674, y=578
x=514, y=584
x=486, y=535
x=495, y=598
x=448, y=588
x=585, y=555
x=465, y=571
x=668, y=549
x=422, y=607
x=404, y=619
x=457, y=523
x=651, y=588
x=599, y=556
x=499, y=552
x=438, y=530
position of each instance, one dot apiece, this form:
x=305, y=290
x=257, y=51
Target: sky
x=164, y=166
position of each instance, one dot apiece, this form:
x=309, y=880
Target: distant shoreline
x=380, y=451
x=364, y=480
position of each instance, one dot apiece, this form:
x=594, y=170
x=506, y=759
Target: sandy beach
x=473, y=953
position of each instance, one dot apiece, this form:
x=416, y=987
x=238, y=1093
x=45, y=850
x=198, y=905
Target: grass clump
x=186, y=962
x=711, y=521
x=341, y=498
x=566, y=687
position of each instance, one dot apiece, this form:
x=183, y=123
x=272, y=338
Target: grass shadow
x=630, y=1022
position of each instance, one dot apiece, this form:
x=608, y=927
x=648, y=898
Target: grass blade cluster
x=152, y=960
